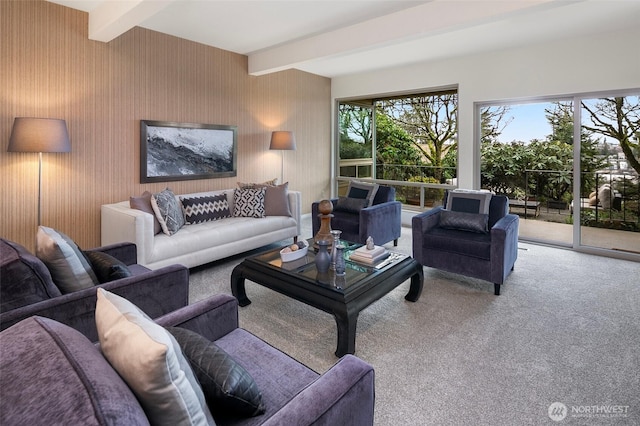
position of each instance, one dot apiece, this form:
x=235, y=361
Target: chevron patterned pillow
x=249, y=202
x=205, y=208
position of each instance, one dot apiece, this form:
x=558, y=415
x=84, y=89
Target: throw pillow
x=106, y=267
x=272, y=182
x=143, y=203
x=469, y=201
x=351, y=205
x=463, y=221
x=205, y=208
x=150, y=360
x=168, y=211
x=227, y=386
x=69, y=269
x=249, y=202
x=362, y=190
x=276, y=200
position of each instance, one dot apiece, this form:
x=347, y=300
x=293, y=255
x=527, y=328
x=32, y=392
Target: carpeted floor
x=565, y=329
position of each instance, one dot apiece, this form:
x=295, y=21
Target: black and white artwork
x=183, y=151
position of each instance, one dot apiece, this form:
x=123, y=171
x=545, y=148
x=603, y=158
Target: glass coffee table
x=342, y=296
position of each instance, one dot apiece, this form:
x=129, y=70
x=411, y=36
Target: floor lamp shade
x=282, y=140
x=39, y=135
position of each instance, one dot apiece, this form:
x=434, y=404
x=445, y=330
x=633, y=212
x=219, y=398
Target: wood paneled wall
x=51, y=69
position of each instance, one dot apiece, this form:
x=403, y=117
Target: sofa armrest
x=295, y=205
x=381, y=221
x=504, y=246
x=420, y=225
x=120, y=223
x=345, y=394
x=212, y=318
x=126, y=253
x=155, y=292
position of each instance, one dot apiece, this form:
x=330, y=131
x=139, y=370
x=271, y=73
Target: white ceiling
x=333, y=38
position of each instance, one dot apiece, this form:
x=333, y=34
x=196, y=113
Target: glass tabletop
x=305, y=267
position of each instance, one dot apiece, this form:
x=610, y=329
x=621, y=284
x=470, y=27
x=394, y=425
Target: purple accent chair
x=490, y=257
x=382, y=220
x=51, y=372
x=27, y=289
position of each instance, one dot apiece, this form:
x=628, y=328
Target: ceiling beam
x=403, y=26
x=111, y=19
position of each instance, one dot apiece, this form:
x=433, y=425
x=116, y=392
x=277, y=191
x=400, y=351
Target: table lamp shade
x=39, y=135
x=283, y=140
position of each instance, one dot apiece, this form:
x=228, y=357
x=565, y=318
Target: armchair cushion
x=149, y=359
x=351, y=205
x=473, y=222
x=69, y=268
x=362, y=190
x=106, y=267
x=469, y=201
x=226, y=385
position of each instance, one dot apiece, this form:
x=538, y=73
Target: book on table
x=357, y=257
x=370, y=254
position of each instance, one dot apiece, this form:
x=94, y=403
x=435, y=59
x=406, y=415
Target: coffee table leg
x=346, y=323
x=417, y=280
x=237, y=286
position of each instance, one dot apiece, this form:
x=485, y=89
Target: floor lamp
x=39, y=135
x=283, y=141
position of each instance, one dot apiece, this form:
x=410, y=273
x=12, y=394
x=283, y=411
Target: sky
x=529, y=122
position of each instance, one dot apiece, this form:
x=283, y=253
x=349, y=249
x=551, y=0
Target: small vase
x=336, y=240
x=340, y=263
x=323, y=259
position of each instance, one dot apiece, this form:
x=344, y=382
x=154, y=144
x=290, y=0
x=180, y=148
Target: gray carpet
x=565, y=329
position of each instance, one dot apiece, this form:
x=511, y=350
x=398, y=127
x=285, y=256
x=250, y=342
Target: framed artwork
x=185, y=151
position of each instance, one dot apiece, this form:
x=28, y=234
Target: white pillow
x=151, y=362
x=69, y=269
x=469, y=201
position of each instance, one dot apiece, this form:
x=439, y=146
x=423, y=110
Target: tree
x=618, y=118
x=355, y=132
x=395, y=150
x=432, y=122
x=493, y=122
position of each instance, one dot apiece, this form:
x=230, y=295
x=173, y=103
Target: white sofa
x=200, y=243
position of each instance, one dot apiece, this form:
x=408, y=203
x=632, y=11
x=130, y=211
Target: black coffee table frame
x=344, y=305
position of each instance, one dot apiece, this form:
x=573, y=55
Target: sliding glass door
x=582, y=195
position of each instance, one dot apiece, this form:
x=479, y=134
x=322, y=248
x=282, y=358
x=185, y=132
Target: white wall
x=604, y=62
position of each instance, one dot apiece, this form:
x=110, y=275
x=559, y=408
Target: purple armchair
x=27, y=289
x=51, y=372
x=382, y=220
x=488, y=256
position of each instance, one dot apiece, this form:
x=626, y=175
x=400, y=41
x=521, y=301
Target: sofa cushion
x=276, y=200
x=24, y=279
x=249, y=202
x=106, y=267
x=143, y=203
x=473, y=222
x=245, y=185
x=469, y=201
x=227, y=386
x=69, y=268
x=362, y=190
x=150, y=360
x=52, y=373
x=199, y=209
x=168, y=211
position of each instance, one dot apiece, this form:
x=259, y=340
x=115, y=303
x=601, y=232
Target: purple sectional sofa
x=27, y=289
x=51, y=373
